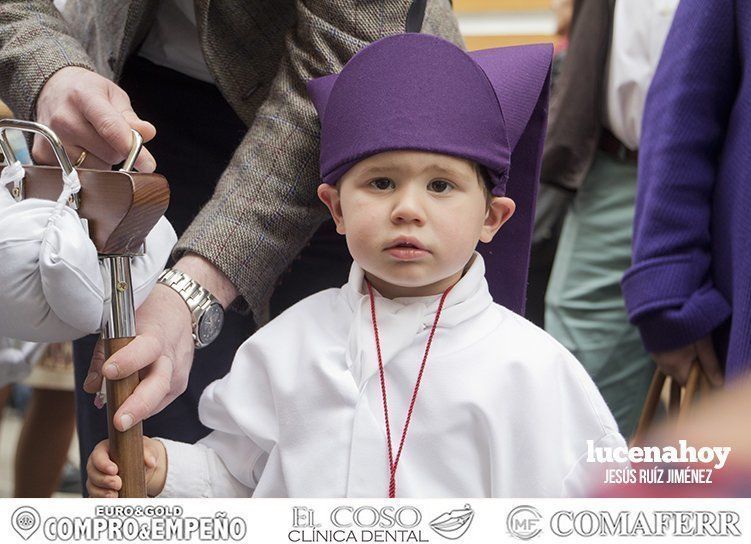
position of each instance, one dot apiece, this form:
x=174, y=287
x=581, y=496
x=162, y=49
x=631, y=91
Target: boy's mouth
x=406, y=249
x=407, y=243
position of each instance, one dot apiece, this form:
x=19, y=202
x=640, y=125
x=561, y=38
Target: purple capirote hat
x=419, y=92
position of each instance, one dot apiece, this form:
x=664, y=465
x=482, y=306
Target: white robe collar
x=401, y=320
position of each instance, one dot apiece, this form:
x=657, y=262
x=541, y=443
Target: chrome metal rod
x=136, y=143
x=121, y=314
x=6, y=148
x=36, y=128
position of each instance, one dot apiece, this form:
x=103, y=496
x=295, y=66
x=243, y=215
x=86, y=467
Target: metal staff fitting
x=120, y=208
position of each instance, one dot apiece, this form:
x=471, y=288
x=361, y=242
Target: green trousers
x=584, y=307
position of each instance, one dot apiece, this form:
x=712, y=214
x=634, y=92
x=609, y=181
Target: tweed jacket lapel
x=110, y=31
x=243, y=43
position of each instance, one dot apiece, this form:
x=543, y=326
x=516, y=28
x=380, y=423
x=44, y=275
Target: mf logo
x=524, y=522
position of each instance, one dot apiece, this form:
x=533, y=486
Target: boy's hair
x=483, y=177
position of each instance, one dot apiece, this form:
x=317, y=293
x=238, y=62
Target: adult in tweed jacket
x=260, y=53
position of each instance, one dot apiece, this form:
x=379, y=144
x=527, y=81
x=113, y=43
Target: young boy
x=409, y=380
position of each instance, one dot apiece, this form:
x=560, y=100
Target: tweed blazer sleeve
x=35, y=42
x=265, y=206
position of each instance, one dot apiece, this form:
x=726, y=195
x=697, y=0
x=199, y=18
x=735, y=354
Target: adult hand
x=552, y=204
x=677, y=363
x=89, y=113
x=162, y=351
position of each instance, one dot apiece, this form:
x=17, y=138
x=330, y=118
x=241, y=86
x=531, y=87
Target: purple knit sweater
x=691, y=272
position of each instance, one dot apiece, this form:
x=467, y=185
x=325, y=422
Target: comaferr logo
x=525, y=523
x=659, y=523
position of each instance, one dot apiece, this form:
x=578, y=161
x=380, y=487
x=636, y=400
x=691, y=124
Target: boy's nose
x=407, y=209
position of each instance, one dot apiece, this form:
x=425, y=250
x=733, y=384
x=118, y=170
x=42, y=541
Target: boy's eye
x=382, y=184
x=440, y=186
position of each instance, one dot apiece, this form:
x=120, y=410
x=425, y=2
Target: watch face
x=210, y=324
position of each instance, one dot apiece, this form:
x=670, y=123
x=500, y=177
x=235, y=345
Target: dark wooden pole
x=126, y=448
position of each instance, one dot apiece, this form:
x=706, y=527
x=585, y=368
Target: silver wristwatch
x=206, y=312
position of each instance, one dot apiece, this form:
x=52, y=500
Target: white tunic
x=503, y=409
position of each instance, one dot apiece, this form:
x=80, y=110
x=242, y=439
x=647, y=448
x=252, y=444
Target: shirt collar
x=469, y=296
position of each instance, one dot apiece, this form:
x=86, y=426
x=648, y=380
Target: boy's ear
x=500, y=210
x=329, y=195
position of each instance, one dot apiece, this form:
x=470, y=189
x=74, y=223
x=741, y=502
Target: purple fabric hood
x=420, y=92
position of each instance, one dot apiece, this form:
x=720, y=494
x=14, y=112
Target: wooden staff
x=126, y=447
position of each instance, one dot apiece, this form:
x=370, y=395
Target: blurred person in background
x=48, y=426
x=719, y=420
x=689, y=288
x=573, y=128
x=591, y=164
x=563, y=10
x=41, y=454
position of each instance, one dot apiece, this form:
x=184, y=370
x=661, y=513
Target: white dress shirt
x=503, y=409
x=173, y=40
x=640, y=28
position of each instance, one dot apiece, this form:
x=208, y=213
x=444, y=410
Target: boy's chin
x=406, y=285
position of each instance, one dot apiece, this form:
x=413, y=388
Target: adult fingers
x=144, y=128
x=99, y=155
x=76, y=129
x=149, y=396
x=145, y=162
x=139, y=353
x=120, y=100
x=709, y=361
x=109, y=124
x=41, y=151
x=90, y=160
x=93, y=381
x=77, y=134
x=676, y=364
